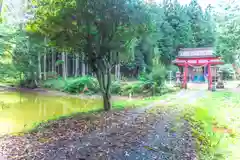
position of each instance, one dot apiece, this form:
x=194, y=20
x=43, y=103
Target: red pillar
x=209, y=77
x=185, y=75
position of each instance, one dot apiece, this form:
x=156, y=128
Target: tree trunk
x=44, y=67
x=86, y=69
x=103, y=74
x=107, y=101
x=49, y=65
x=116, y=72
x=116, y=67
x=45, y=59
x=39, y=67
x=53, y=62
x=73, y=60
x=66, y=65
x=63, y=66
x=83, y=66
x=76, y=66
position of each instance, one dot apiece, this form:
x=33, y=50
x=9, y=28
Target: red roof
x=196, y=52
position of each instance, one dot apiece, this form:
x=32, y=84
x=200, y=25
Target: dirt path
x=124, y=135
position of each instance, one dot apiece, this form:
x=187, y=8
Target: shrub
x=116, y=87
x=8, y=74
x=57, y=84
x=158, y=75
x=133, y=88
x=137, y=88
x=126, y=89
x=78, y=85
x=27, y=83
x=227, y=71
x=155, y=80
x=143, y=77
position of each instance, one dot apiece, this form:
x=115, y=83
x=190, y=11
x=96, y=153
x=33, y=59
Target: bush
x=155, y=80
x=133, y=88
x=158, y=75
x=148, y=85
x=28, y=83
x=116, y=87
x=8, y=74
x=143, y=77
x=78, y=85
x=227, y=71
x=151, y=83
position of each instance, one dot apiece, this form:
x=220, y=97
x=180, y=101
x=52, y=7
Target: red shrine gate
x=197, y=65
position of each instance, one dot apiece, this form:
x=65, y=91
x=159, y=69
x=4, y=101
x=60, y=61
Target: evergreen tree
x=196, y=22
x=209, y=27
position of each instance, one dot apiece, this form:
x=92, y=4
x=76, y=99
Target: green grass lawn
x=215, y=122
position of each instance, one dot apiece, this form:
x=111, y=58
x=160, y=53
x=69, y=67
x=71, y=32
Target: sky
x=203, y=3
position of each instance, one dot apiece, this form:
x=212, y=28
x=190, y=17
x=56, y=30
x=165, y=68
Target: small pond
x=21, y=111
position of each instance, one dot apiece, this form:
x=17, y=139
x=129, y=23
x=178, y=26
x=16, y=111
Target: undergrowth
x=89, y=85
x=211, y=128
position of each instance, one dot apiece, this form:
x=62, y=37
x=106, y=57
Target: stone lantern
x=178, y=77
x=220, y=83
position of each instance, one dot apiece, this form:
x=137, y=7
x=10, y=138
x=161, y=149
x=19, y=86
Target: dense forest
x=124, y=38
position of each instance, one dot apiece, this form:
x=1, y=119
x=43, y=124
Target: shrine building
x=198, y=65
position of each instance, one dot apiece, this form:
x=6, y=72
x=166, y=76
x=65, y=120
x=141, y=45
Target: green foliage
x=207, y=140
x=144, y=54
x=158, y=75
x=149, y=83
x=143, y=76
x=131, y=88
x=210, y=125
x=177, y=26
x=228, y=21
x=8, y=74
x=227, y=71
x=25, y=57
x=99, y=30
x=57, y=84
x=79, y=85
x=59, y=62
x=116, y=87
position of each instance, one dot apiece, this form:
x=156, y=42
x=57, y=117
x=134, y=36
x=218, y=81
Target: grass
x=216, y=126
x=136, y=103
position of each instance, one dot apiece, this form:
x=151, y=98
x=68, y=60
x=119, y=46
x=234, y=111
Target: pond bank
x=108, y=135
x=50, y=92
x=23, y=109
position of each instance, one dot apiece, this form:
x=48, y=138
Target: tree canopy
x=228, y=28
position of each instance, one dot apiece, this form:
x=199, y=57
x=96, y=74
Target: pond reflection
x=21, y=111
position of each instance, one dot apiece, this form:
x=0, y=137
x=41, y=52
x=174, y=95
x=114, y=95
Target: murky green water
x=22, y=111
